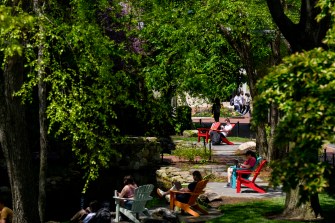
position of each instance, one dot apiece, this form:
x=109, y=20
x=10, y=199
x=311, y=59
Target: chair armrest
x=239, y=172
x=179, y=192
x=123, y=198
x=173, y=192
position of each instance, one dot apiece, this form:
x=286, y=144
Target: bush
x=183, y=119
x=189, y=152
x=224, y=112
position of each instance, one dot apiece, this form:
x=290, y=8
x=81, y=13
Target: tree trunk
x=42, y=98
x=306, y=211
x=242, y=47
x=305, y=35
x=15, y=145
x=308, y=33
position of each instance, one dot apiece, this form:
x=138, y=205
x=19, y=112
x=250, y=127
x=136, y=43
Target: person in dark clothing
x=182, y=197
x=216, y=109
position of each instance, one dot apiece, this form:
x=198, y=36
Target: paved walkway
x=225, y=154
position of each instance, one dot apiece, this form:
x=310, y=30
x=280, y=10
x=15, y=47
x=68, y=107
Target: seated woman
x=128, y=191
x=181, y=197
x=248, y=164
x=83, y=213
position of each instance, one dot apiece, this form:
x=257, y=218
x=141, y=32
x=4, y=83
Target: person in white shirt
x=237, y=102
x=225, y=129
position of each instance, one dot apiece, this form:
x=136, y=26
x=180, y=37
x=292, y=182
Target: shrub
x=189, y=152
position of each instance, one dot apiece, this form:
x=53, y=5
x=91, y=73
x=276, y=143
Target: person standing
x=216, y=109
x=6, y=214
x=237, y=102
x=243, y=102
x=247, y=104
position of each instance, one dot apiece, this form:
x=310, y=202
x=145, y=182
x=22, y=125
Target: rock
x=210, y=196
x=251, y=145
x=161, y=215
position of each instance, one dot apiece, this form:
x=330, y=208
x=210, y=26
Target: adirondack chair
x=192, y=202
x=233, y=178
x=224, y=139
x=250, y=183
x=204, y=133
x=142, y=195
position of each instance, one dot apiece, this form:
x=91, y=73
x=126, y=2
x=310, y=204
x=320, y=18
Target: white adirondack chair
x=142, y=195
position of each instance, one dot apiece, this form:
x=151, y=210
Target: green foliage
x=183, y=119
x=90, y=75
x=14, y=23
x=224, y=112
x=189, y=152
x=185, y=52
x=303, y=88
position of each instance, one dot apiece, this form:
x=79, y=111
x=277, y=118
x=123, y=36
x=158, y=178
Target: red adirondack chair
x=224, y=139
x=250, y=183
x=204, y=132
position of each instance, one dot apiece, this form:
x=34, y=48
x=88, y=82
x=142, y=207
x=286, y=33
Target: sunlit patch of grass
x=266, y=210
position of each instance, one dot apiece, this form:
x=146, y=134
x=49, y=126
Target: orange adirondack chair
x=250, y=183
x=192, y=202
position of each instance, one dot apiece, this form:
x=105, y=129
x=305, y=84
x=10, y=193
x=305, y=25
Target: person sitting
x=181, y=197
x=248, y=164
x=223, y=131
x=103, y=215
x=6, y=214
x=83, y=213
x=128, y=191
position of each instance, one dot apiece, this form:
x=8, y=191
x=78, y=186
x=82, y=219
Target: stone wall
x=166, y=175
x=138, y=153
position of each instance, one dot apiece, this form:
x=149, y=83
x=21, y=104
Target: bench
x=250, y=183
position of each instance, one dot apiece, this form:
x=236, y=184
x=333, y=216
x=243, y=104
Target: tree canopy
x=303, y=89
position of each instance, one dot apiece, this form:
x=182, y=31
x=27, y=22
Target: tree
x=190, y=43
x=183, y=51
x=305, y=34
x=13, y=131
x=89, y=75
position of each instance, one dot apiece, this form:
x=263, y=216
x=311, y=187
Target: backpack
x=215, y=137
x=103, y=215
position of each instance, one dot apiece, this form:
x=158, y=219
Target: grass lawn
x=265, y=210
